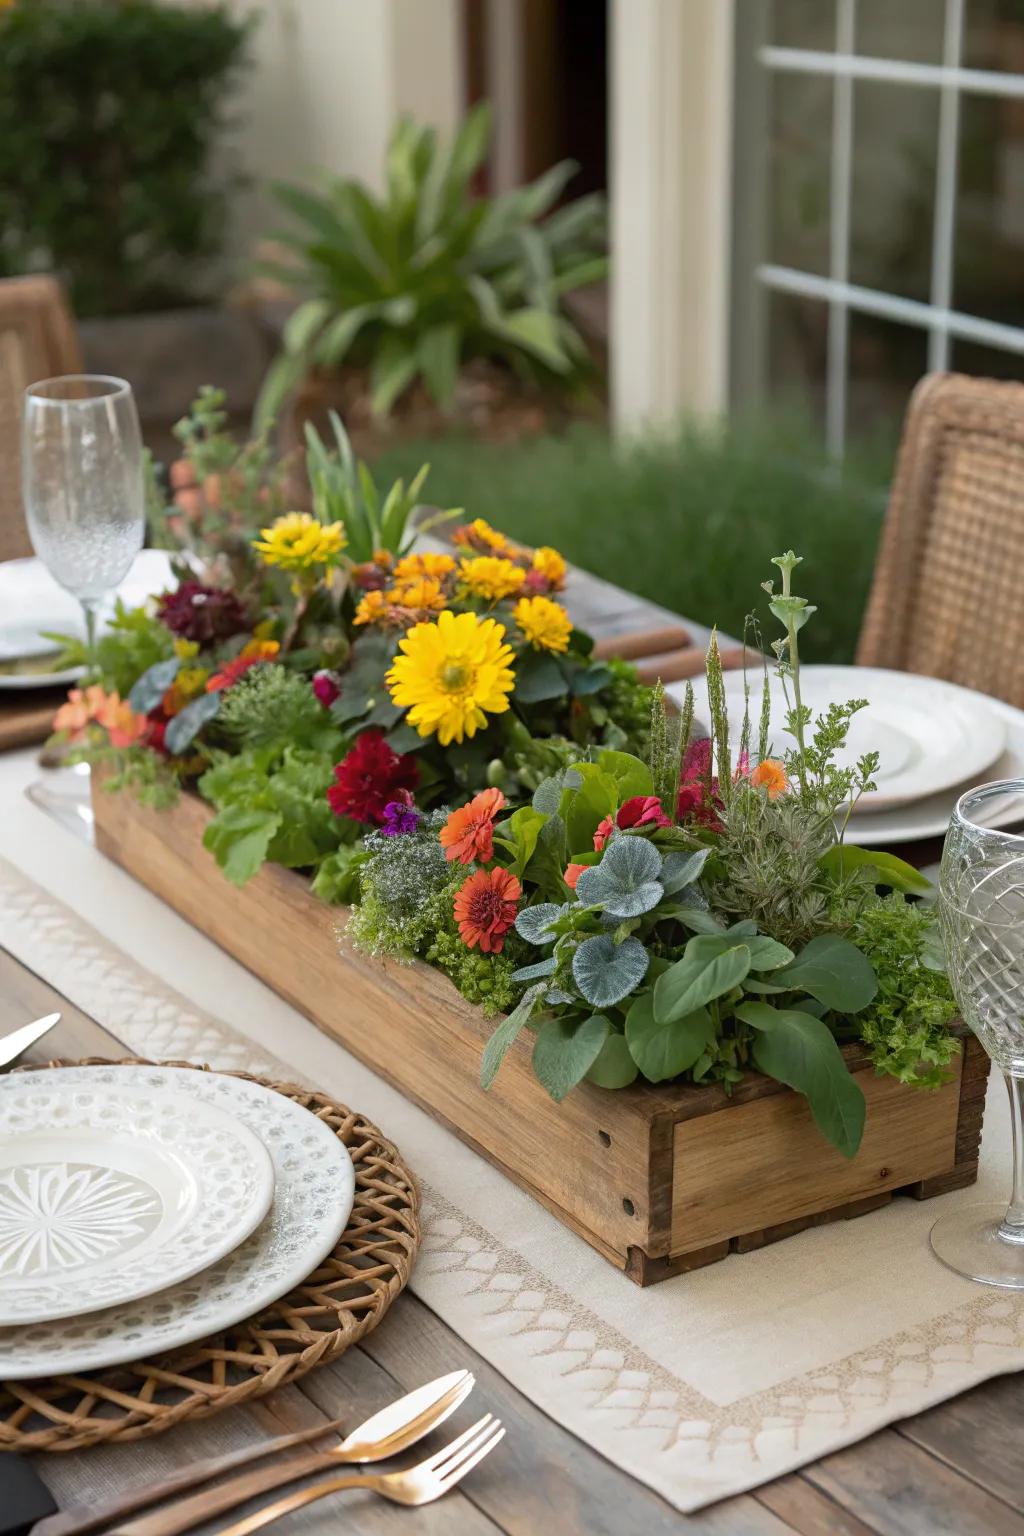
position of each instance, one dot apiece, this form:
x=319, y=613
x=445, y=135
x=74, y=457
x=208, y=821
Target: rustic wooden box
x=658, y=1179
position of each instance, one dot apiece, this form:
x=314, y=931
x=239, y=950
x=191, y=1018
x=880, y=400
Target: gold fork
x=416, y=1485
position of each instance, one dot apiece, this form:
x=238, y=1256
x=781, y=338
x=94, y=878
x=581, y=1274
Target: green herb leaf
x=539, y=677
x=834, y=971
x=566, y=1049
x=682, y=869
x=239, y=838
x=891, y=871
x=632, y=776
x=699, y=977
x=801, y=1051
x=614, y=1067
x=663, y=1050
x=505, y=1035
x=187, y=724
x=150, y=688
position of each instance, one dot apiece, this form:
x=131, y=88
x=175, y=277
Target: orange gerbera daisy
x=251, y=654
x=468, y=833
x=572, y=873
x=485, y=909
x=771, y=777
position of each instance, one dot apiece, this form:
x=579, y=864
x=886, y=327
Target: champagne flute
x=981, y=911
x=81, y=469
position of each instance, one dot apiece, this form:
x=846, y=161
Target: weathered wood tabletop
x=957, y=1469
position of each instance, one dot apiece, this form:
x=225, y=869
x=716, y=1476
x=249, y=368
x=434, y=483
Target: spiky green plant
x=428, y=276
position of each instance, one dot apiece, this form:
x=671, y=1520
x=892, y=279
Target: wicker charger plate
x=335, y=1307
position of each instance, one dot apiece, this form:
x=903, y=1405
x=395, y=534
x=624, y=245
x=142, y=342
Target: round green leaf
x=614, y=1067
x=606, y=972
x=565, y=1050
x=699, y=977
x=663, y=1050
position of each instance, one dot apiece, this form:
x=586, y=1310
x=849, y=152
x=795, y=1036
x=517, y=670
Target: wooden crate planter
x=658, y=1179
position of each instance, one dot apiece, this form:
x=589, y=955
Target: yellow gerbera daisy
x=421, y=592
x=298, y=542
x=370, y=608
x=491, y=577
x=545, y=624
x=451, y=674
x=551, y=566
x=412, y=567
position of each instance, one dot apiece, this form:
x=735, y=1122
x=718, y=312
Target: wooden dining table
x=956, y=1469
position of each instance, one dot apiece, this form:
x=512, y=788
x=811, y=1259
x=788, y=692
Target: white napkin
x=32, y=602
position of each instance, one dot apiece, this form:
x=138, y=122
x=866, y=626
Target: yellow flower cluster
x=545, y=624
x=491, y=577
x=298, y=542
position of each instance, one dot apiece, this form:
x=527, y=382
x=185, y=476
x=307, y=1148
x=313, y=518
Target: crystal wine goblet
x=81, y=470
x=981, y=912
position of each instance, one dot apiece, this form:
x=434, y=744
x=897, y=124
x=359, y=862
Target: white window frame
x=936, y=317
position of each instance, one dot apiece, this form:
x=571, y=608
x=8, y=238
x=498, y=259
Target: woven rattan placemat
x=335, y=1307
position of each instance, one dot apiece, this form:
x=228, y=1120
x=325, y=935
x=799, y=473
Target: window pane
x=885, y=362
x=895, y=136
x=797, y=348
x=994, y=35
x=909, y=29
x=803, y=24
x=989, y=249
x=986, y=362
x=800, y=128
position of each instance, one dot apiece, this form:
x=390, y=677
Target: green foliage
x=799, y=1050
x=719, y=501
x=133, y=642
x=272, y=706
x=343, y=488
x=906, y=1026
x=427, y=276
x=144, y=773
x=109, y=113
x=271, y=804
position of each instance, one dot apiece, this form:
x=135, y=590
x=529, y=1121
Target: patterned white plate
x=313, y=1193
x=109, y=1192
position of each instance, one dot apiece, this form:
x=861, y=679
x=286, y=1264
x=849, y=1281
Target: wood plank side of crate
x=587, y=1159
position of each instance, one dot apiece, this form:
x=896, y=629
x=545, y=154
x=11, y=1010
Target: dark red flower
x=326, y=688
x=156, y=730
x=203, y=614
x=699, y=797
x=369, y=778
x=642, y=811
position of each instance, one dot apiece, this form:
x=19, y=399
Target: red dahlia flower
x=642, y=811
x=369, y=778
x=485, y=909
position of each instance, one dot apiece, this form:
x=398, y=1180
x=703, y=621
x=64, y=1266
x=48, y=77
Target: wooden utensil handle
x=80, y=1519
x=642, y=642
x=674, y=666
x=210, y=1502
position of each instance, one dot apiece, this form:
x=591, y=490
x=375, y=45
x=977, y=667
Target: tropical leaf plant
x=421, y=279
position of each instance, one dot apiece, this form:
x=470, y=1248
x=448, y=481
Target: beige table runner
x=701, y=1387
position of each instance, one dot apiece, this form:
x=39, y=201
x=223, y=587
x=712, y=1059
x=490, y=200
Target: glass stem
x=1011, y=1228
x=89, y=609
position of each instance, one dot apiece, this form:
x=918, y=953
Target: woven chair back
x=947, y=597
x=37, y=341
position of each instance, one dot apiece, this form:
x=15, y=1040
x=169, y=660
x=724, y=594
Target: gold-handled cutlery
x=416, y=1485
x=394, y=1428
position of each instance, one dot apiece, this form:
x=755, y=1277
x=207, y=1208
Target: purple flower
x=400, y=816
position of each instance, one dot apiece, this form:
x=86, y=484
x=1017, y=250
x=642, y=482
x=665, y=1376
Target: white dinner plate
x=33, y=603
x=930, y=735
x=109, y=1193
x=313, y=1192
x=931, y=817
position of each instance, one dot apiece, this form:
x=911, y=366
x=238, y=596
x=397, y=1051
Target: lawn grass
x=690, y=523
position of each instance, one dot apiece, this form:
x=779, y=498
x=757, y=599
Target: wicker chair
x=37, y=341
x=947, y=596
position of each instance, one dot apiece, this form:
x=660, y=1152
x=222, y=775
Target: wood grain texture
x=657, y=1178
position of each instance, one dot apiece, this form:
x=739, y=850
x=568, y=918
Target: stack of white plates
x=934, y=739
x=146, y=1207
x=33, y=605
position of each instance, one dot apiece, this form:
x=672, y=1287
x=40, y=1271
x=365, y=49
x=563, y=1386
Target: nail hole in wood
x=629, y=1207
x=604, y=1138
x=883, y=1173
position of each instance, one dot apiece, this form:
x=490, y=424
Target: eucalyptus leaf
x=626, y=881
x=801, y=1051
x=566, y=1049
x=833, y=970
x=149, y=689
x=699, y=978
x=188, y=722
x=606, y=972
x=663, y=1050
